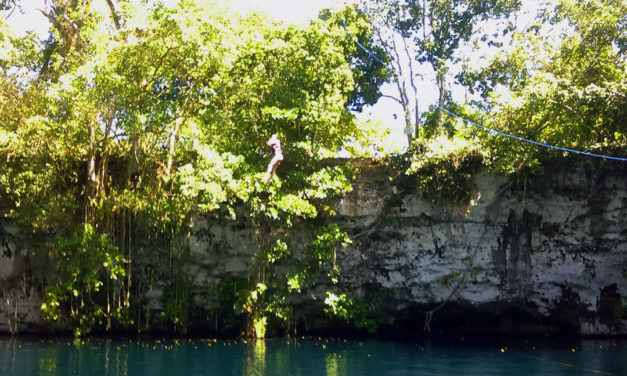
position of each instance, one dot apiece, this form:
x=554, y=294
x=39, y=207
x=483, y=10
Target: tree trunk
x=91, y=187
x=172, y=145
x=441, y=81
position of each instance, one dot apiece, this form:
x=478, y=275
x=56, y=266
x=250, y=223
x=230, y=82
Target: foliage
x=372, y=139
x=325, y=242
x=87, y=271
x=441, y=169
x=269, y=300
x=228, y=314
x=260, y=302
x=567, y=91
x=133, y=109
x=296, y=84
x=208, y=181
x=368, y=73
x=177, y=294
x=353, y=310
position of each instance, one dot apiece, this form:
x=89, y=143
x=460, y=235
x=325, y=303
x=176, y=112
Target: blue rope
x=492, y=130
x=372, y=55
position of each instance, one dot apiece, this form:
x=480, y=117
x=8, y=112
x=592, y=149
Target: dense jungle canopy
x=132, y=114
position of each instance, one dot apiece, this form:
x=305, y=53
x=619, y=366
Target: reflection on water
x=48, y=361
x=336, y=366
x=256, y=359
x=303, y=357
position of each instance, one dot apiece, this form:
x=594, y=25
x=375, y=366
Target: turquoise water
x=23, y=357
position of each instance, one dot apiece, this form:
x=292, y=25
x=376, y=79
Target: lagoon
x=306, y=356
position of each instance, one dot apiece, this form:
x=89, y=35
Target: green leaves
x=132, y=109
x=275, y=253
x=442, y=169
x=326, y=242
x=82, y=265
x=350, y=310
x=568, y=92
x=423, y=37
x=209, y=181
x=290, y=80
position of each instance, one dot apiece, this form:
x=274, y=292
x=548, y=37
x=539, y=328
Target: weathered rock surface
x=555, y=246
x=524, y=255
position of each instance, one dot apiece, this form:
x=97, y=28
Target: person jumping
x=275, y=144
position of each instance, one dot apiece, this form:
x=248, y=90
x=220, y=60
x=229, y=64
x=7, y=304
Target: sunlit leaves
x=423, y=37
x=328, y=182
x=279, y=250
x=568, y=92
x=350, y=310
x=209, y=180
x=325, y=244
x=132, y=109
x=290, y=80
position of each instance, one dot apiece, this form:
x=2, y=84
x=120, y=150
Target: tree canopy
x=417, y=32
x=568, y=91
x=134, y=109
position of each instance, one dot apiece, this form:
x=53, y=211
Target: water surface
x=318, y=356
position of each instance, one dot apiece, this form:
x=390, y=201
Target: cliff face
x=552, y=246
x=548, y=252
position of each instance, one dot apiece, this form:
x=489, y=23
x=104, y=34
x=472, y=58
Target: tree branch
x=55, y=22
x=114, y=14
x=413, y=85
x=392, y=97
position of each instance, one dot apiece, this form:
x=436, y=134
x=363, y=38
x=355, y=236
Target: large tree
x=131, y=109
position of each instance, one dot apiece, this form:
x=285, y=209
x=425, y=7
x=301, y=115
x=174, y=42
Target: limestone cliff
x=554, y=246
x=534, y=254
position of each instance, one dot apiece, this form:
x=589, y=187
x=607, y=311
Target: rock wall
x=541, y=254
x=553, y=246
x=20, y=295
